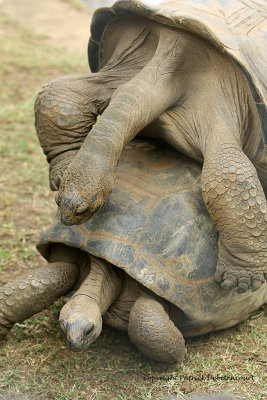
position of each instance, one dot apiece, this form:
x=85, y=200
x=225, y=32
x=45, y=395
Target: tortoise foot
x=158, y=366
x=5, y=327
x=155, y=335
x=234, y=272
x=58, y=166
x=34, y=291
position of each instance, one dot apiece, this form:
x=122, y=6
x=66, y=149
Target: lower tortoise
x=143, y=263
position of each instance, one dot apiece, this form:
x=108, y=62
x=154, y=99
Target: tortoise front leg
x=89, y=179
x=67, y=108
x=65, y=111
x=152, y=331
x=236, y=202
x=35, y=290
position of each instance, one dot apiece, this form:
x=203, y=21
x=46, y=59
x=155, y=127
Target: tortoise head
x=78, y=329
x=75, y=208
x=84, y=188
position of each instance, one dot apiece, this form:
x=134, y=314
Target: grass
x=27, y=62
x=33, y=360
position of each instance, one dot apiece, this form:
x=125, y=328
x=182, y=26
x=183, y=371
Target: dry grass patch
x=27, y=62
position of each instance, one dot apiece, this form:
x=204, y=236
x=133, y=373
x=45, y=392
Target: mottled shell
x=156, y=228
x=238, y=28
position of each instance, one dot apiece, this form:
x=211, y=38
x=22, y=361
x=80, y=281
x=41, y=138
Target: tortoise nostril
x=89, y=329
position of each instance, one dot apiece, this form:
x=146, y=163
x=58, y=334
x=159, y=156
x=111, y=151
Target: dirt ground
x=66, y=26
x=39, y=41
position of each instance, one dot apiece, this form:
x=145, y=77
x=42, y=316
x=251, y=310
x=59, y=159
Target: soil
x=45, y=17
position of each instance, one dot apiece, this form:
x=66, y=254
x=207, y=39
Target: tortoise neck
x=102, y=286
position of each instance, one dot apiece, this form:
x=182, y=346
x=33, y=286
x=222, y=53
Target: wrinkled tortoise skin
x=237, y=28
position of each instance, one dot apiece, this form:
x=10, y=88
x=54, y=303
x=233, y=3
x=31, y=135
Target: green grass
x=33, y=360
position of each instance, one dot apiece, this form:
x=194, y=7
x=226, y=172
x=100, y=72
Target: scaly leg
x=65, y=111
x=152, y=331
x=67, y=108
x=236, y=202
x=33, y=292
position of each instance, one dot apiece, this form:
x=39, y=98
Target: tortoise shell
x=156, y=228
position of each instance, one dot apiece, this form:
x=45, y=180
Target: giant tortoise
x=147, y=260
x=189, y=72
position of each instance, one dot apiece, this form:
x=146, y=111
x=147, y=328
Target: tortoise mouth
x=75, y=219
x=72, y=214
x=78, y=346
x=78, y=335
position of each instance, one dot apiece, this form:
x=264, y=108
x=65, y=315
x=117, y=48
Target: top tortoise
x=191, y=73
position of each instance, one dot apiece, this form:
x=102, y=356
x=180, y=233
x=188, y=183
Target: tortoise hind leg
x=34, y=291
x=152, y=331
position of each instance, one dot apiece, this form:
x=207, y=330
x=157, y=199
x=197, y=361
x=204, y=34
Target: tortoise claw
x=228, y=284
x=242, y=288
x=257, y=281
x=57, y=168
x=244, y=285
x=219, y=274
x=5, y=327
x=256, y=284
x=243, y=277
